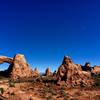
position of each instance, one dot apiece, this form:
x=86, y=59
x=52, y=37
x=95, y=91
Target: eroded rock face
x=79, y=67
x=96, y=70
x=20, y=67
x=35, y=72
x=72, y=73
x=48, y=72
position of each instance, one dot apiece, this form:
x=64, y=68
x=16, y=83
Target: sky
x=46, y=30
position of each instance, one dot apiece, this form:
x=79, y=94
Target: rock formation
x=68, y=71
x=48, y=72
x=18, y=67
x=79, y=67
x=96, y=70
x=35, y=72
x=86, y=67
x=71, y=73
x=6, y=59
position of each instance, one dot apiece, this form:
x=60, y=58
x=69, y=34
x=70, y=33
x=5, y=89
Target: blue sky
x=46, y=30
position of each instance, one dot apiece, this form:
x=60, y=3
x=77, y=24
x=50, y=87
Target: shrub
x=63, y=87
x=11, y=84
x=53, y=92
x=63, y=93
x=97, y=81
x=1, y=90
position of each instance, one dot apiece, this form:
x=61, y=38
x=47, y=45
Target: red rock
x=20, y=67
x=6, y=59
x=35, y=73
x=96, y=70
x=71, y=73
x=48, y=72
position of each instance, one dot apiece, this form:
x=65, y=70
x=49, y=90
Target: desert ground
x=42, y=88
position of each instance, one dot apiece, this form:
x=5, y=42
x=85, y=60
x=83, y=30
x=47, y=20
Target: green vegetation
x=63, y=93
x=1, y=90
x=11, y=84
x=53, y=92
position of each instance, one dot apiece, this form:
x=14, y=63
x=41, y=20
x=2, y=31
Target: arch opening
x=5, y=69
x=4, y=66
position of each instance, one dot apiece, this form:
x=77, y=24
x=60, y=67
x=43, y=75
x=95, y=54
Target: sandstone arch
x=19, y=68
x=6, y=59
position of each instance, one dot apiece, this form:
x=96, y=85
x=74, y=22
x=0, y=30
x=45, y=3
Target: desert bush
x=1, y=90
x=82, y=85
x=63, y=93
x=63, y=87
x=11, y=84
x=97, y=81
x=53, y=92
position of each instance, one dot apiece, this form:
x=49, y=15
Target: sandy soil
x=46, y=91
